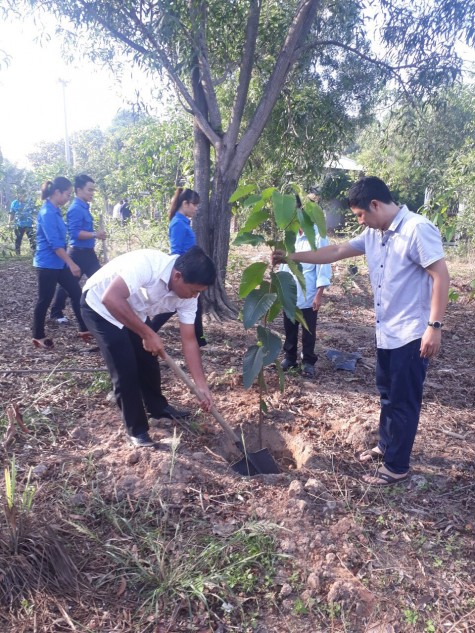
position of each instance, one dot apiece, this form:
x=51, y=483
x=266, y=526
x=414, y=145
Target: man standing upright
x=410, y=282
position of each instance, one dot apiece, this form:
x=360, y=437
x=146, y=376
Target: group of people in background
x=56, y=264
x=122, y=212
x=125, y=303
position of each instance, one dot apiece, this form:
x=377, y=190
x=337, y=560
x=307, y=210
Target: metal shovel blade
x=259, y=463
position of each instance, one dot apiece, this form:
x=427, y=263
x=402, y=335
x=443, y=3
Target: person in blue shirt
x=52, y=262
x=82, y=238
x=183, y=208
x=21, y=216
x=317, y=278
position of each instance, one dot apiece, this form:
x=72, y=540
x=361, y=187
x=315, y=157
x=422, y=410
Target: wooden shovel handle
x=193, y=388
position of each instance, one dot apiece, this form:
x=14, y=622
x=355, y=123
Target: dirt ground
x=350, y=558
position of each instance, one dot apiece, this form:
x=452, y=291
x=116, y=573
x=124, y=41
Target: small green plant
x=300, y=607
x=453, y=295
x=430, y=627
x=17, y=507
x=277, y=218
x=31, y=555
x=100, y=382
x=334, y=610
x=410, y=616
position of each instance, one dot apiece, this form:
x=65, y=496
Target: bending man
x=116, y=305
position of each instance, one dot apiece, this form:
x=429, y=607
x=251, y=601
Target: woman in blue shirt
x=82, y=238
x=51, y=260
x=183, y=208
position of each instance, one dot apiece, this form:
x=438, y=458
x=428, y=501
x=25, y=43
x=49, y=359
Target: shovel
x=259, y=463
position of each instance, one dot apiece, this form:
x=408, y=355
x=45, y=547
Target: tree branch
x=245, y=71
x=297, y=32
x=200, y=119
x=355, y=51
x=392, y=70
x=198, y=18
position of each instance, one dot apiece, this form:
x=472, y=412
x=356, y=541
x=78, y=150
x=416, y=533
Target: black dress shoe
x=142, y=440
x=171, y=413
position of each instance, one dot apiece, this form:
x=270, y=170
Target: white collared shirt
x=316, y=275
x=397, y=259
x=146, y=273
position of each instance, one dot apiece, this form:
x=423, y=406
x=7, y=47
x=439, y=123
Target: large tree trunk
x=216, y=300
x=213, y=221
x=201, y=159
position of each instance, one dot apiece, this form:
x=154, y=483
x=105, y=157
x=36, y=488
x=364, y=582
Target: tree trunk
x=216, y=300
x=202, y=162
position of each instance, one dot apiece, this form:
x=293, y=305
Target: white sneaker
x=62, y=320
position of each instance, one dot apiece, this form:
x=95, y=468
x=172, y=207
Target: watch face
x=436, y=324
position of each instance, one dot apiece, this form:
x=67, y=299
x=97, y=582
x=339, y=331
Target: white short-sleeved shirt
x=397, y=259
x=316, y=276
x=147, y=274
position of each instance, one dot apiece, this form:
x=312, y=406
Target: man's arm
x=431, y=339
x=324, y=255
x=317, y=301
x=115, y=300
x=192, y=355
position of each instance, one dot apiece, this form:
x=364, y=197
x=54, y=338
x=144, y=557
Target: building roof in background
x=348, y=164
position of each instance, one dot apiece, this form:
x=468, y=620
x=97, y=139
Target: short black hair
x=81, y=181
x=196, y=267
x=367, y=189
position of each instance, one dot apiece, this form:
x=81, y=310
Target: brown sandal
x=43, y=343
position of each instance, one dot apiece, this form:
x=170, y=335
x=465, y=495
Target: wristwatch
x=435, y=324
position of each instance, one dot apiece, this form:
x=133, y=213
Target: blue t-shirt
x=50, y=235
x=180, y=234
x=79, y=218
x=23, y=212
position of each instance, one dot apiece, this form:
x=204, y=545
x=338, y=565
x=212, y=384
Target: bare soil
x=348, y=557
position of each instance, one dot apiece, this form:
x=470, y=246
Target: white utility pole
x=67, y=149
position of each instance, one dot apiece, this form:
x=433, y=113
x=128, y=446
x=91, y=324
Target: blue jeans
x=400, y=375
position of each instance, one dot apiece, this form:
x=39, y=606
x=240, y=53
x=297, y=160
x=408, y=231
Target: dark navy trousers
x=135, y=373
x=309, y=337
x=400, y=375
x=87, y=261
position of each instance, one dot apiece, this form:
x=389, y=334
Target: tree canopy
x=412, y=148
x=231, y=63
